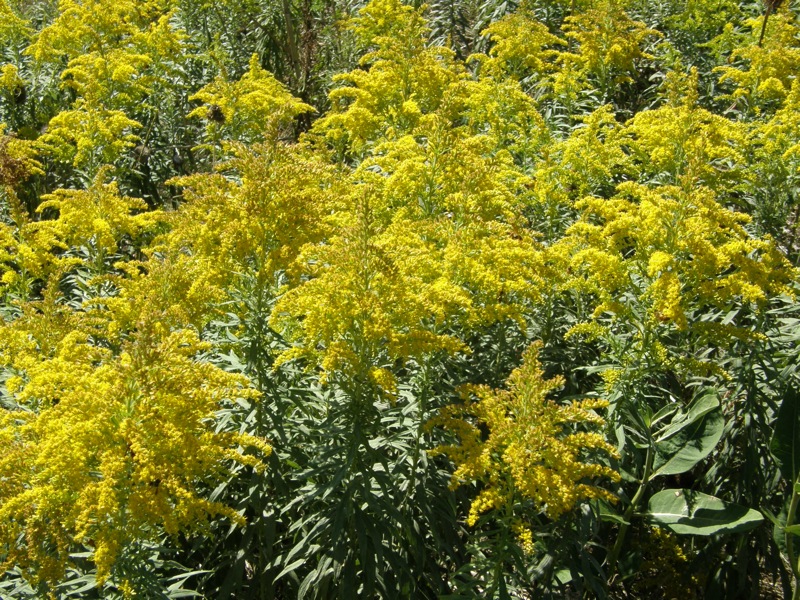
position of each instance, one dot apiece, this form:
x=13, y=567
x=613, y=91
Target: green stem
x=422, y=400
x=790, y=541
x=623, y=528
x=498, y=582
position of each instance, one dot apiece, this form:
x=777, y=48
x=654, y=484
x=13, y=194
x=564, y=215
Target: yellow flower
x=534, y=449
x=115, y=445
x=672, y=250
x=247, y=109
x=764, y=72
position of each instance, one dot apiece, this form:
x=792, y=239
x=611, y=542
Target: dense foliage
x=336, y=299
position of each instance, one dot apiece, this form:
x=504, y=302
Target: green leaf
x=785, y=443
x=607, y=513
x=690, y=437
x=698, y=408
x=778, y=526
x=694, y=513
x=291, y=567
x=564, y=576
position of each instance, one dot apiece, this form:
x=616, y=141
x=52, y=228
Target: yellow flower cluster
x=683, y=144
x=118, y=53
x=111, y=441
x=96, y=218
x=89, y=26
x=610, y=42
x=775, y=144
x=12, y=27
x=374, y=290
x=522, y=47
x=18, y=162
x=535, y=448
x=672, y=249
x=270, y=205
x=246, y=109
x=500, y=111
x=427, y=232
x=433, y=242
x=763, y=73
x=10, y=81
x=89, y=136
x=603, y=45
x=107, y=445
x=586, y=162
x=405, y=80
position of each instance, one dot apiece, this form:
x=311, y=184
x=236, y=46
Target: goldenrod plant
x=332, y=299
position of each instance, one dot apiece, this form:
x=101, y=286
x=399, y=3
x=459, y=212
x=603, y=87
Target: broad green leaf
x=665, y=411
x=690, y=437
x=785, y=443
x=694, y=513
x=698, y=408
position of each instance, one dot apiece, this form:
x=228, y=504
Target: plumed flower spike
x=246, y=109
x=536, y=449
x=12, y=27
x=99, y=216
x=762, y=74
x=522, y=47
x=392, y=28
x=111, y=448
